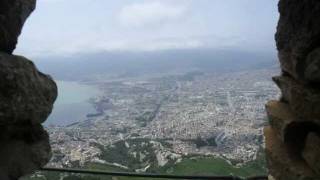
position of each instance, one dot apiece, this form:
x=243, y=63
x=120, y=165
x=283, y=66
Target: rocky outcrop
x=26, y=99
x=293, y=138
x=13, y=14
x=311, y=152
x=297, y=37
x=283, y=166
x=26, y=94
x=24, y=149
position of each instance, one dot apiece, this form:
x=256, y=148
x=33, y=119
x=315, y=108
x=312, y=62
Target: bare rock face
x=13, y=14
x=24, y=149
x=292, y=140
x=304, y=100
x=26, y=94
x=298, y=35
x=312, y=70
x=26, y=99
x=311, y=152
x=284, y=166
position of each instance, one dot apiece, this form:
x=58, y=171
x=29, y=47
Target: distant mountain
x=127, y=64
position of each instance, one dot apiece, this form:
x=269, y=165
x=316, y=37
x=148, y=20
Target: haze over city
x=64, y=28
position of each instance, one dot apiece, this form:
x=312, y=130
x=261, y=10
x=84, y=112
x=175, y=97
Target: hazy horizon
x=68, y=28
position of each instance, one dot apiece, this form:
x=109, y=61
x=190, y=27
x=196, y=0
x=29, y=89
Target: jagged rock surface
x=26, y=99
x=292, y=141
x=24, y=149
x=298, y=36
x=311, y=152
x=26, y=95
x=304, y=100
x=13, y=14
x=283, y=165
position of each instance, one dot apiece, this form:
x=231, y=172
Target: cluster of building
x=225, y=108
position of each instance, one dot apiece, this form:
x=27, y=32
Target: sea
x=72, y=104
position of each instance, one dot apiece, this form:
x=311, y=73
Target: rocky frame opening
x=27, y=96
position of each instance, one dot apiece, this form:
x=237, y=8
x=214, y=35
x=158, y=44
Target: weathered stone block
x=311, y=152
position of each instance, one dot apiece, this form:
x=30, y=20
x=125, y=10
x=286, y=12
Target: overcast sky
x=66, y=27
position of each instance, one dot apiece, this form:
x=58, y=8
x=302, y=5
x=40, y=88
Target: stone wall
x=26, y=99
x=292, y=140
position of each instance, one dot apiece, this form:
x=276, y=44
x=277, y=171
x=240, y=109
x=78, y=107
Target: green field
x=122, y=152
x=203, y=165
x=215, y=166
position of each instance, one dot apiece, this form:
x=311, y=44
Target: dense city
x=146, y=123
